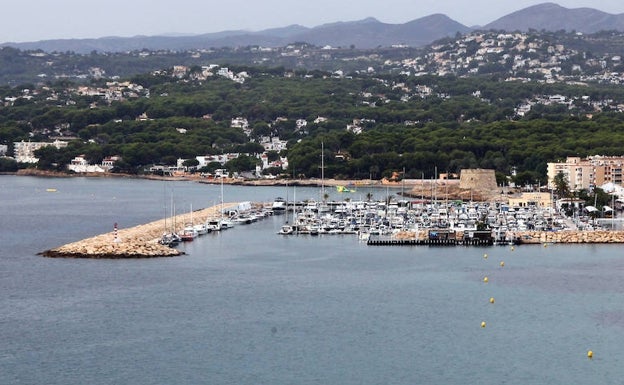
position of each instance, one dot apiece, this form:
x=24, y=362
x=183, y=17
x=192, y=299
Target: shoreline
x=310, y=182
x=446, y=189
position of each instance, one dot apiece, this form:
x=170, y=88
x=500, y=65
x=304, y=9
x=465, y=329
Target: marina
x=421, y=222
x=390, y=222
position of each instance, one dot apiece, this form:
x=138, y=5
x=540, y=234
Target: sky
x=33, y=20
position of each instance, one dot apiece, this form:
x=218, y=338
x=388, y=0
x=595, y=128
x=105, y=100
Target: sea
x=247, y=306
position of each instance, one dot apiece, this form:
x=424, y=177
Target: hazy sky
x=31, y=20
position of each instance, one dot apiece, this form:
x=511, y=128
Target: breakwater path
x=140, y=241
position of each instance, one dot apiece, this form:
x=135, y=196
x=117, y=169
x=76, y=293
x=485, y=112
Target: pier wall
x=571, y=236
x=421, y=237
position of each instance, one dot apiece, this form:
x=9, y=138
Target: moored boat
x=214, y=224
x=170, y=239
x=279, y=206
x=188, y=233
x=286, y=230
x=202, y=229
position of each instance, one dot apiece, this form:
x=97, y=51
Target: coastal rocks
x=596, y=236
x=531, y=237
x=113, y=251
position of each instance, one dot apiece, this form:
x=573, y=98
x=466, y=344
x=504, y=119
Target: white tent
x=612, y=188
x=591, y=209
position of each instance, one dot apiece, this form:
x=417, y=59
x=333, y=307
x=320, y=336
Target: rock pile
x=538, y=237
x=596, y=236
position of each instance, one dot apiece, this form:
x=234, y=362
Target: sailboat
x=226, y=223
x=170, y=237
x=189, y=232
x=323, y=207
x=288, y=229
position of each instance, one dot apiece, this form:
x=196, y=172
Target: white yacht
x=279, y=206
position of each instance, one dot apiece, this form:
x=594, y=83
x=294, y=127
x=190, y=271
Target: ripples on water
x=250, y=307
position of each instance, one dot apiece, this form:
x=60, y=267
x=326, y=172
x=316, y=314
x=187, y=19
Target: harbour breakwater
x=140, y=241
x=570, y=236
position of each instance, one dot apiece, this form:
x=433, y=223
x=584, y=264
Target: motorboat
x=279, y=206
x=188, y=233
x=214, y=224
x=202, y=229
x=286, y=230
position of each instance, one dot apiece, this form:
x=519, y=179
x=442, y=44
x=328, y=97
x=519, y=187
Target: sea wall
x=539, y=237
x=134, y=242
x=570, y=236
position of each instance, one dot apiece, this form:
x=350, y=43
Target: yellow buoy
x=491, y=299
x=590, y=354
x=502, y=263
x=512, y=248
x=485, y=256
x=485, y=279
x=483, y=324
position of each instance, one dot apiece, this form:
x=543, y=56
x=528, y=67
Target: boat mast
x=165, y=204
x=322, y=172
x=294, y=221
x=287, y=201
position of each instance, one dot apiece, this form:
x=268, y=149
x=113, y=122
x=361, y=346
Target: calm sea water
x=248, y=306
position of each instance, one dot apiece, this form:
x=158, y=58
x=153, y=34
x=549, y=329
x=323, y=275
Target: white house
x=80, y=165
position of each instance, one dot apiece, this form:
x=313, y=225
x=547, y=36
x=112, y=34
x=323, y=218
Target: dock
x=140, y=241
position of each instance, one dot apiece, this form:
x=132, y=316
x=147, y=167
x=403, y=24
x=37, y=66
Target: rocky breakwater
x=135, y=242
x=571, y=236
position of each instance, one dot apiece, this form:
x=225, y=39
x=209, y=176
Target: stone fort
x=482, y=180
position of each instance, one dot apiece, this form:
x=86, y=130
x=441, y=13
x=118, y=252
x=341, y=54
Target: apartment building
x=585, y=173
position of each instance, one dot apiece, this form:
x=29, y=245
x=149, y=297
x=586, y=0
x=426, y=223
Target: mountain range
x=367, y=33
